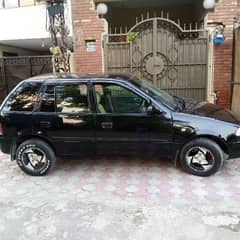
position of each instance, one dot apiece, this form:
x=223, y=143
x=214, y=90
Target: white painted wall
x=27, y=22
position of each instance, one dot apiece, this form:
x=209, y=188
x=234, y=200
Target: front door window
x=112, y=98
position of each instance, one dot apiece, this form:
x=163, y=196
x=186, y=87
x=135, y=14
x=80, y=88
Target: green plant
x=132, y=36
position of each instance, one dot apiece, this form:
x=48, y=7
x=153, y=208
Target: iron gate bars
x=159, y=50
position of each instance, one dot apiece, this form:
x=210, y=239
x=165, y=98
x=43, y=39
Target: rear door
x=65, y=117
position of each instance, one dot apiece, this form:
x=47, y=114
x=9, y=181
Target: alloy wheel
x=200, y=159
x=34, y=158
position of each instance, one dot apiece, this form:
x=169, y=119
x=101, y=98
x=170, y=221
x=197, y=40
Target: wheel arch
x=220, y=142
x=27, y=137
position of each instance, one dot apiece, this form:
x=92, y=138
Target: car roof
x=56, y=77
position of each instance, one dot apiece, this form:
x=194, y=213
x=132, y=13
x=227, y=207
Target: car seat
x=100, y=106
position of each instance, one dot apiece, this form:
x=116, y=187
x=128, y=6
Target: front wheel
x=201, y=157
x=35, y=157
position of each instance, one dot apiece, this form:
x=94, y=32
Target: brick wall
x=86, y=26
x=225, y=11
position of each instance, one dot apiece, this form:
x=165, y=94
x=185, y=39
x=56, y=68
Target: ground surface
x=111, y=199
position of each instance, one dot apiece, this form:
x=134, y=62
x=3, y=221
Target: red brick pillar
x=87, y=26
x=224, y=12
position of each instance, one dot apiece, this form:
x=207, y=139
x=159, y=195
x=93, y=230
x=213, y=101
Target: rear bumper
x=5, y=145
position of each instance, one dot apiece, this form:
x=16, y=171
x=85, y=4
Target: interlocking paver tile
x=135, y=178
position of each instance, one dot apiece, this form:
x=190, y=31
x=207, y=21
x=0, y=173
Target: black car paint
x=162, y=134
x=133, y=134
x=188, y=126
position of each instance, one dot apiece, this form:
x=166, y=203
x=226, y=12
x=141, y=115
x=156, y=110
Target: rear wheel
x=201, y=157
x=35, y=157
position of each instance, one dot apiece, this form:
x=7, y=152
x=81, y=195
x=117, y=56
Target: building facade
x=24, y=27
x=25, y=41
x=169, y=43
x=89, y=28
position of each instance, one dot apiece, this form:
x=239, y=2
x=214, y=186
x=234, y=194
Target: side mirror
x=152, y=110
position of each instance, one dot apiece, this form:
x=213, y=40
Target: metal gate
x=161, y=51
x=15, y=69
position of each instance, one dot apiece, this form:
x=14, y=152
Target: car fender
x=205, y=133
x=214, y=136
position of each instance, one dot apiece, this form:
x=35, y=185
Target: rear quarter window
x=23, y=98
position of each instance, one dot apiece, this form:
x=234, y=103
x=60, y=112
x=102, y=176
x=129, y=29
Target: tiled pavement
x=116, y=199
x=138, y=179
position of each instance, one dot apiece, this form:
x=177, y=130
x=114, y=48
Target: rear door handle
x=107, y=125
x=45, y=124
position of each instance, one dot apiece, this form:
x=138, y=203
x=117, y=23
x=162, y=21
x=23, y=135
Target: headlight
x=238, y=132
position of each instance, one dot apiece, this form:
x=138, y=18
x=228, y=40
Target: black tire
x=195, y=150
x=42, y=151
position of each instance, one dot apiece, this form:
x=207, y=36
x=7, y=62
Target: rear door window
x=24, y=98
x=72, y=98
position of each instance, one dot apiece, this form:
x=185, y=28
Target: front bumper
x=234, y=150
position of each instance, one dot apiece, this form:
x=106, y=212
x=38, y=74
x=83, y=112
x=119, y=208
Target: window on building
x=17, y=3
x=1, y=4
x=11, y=3
x=24, y=3
x=9, y=54
x=72, y=99
x=23, y=99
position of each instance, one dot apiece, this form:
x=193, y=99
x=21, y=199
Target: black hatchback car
x=69, y=115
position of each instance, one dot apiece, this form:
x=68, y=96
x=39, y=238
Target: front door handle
x=107, y=125
x=45, y=124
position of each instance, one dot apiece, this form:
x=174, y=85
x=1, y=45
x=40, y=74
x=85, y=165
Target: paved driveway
x=118, y=199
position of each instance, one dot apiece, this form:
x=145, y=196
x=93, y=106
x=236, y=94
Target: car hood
x=214, y=111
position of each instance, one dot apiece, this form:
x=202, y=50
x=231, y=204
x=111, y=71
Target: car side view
x=70, y=115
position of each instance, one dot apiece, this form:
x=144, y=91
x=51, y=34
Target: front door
x=65, y=117
x=123, y=125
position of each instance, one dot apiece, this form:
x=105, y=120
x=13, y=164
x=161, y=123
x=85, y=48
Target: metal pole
x=59, y=34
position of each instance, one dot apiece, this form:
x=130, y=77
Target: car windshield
x=157, y=94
